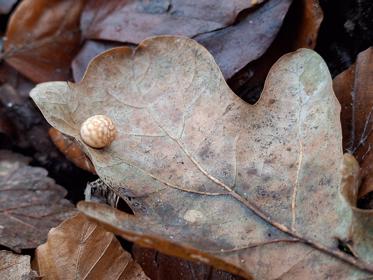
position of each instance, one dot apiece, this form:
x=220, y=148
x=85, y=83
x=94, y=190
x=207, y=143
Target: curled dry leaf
x=30, y=203
x=232, y=47
x=250, y=189
x=42, y=38
x=71, y=149
x=354, y=88
x=15, y=267
x=79, y=249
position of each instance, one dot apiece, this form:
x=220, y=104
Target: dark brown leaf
x=235, y=46
x=299, y=30
x=250, y=189
x=133, y=21
x=79, y=249
x=42, y=38
x=354, y=89
x=232, y=47
x=159, y=267
x=15, y=267
x=71, y=150
x=30, y=203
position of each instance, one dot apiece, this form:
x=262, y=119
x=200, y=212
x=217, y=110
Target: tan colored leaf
x=30, y=203
x=250, y=189
x=354, y=89
x=79, y=249
x=42, y=38
x=15, y=267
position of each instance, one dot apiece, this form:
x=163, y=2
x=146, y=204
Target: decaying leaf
x=30, y=203
x=159, y=267
x=15, y=267
x=354, y=88
x=299, y=30
x=79, y=249
x=232, y=47
x=250, y=189
x=71, y=150
x=42, y=38
x=133, y=21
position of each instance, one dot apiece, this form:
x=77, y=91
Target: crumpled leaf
x=249, y=189
x=133, y=21
x=354, y=88
x=30, y=203
x=15, y=267
x=42, y=38
x=79, y=249
x=232, y=47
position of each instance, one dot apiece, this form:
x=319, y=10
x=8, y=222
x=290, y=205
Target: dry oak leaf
x=253, y=189
x=30, y=203
x=79, y=249
x=354, y=90
x=42, y=38
x=15, y=267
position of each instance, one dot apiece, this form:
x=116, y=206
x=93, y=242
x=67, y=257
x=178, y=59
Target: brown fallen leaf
x=159, y=267
x=232, y=47
x=30, y=203
x=235, y=46
x=89, y=50
x=299, y=30
x=354, y=89
x=71, y=150
x=42, y=38
x=15, y=267
x=79, y=249
x=249, y=189
x=133, y=21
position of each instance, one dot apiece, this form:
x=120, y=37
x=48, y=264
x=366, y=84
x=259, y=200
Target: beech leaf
x=42, y=38
x=30, y=203
x=79, y=249
x=253, y=189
